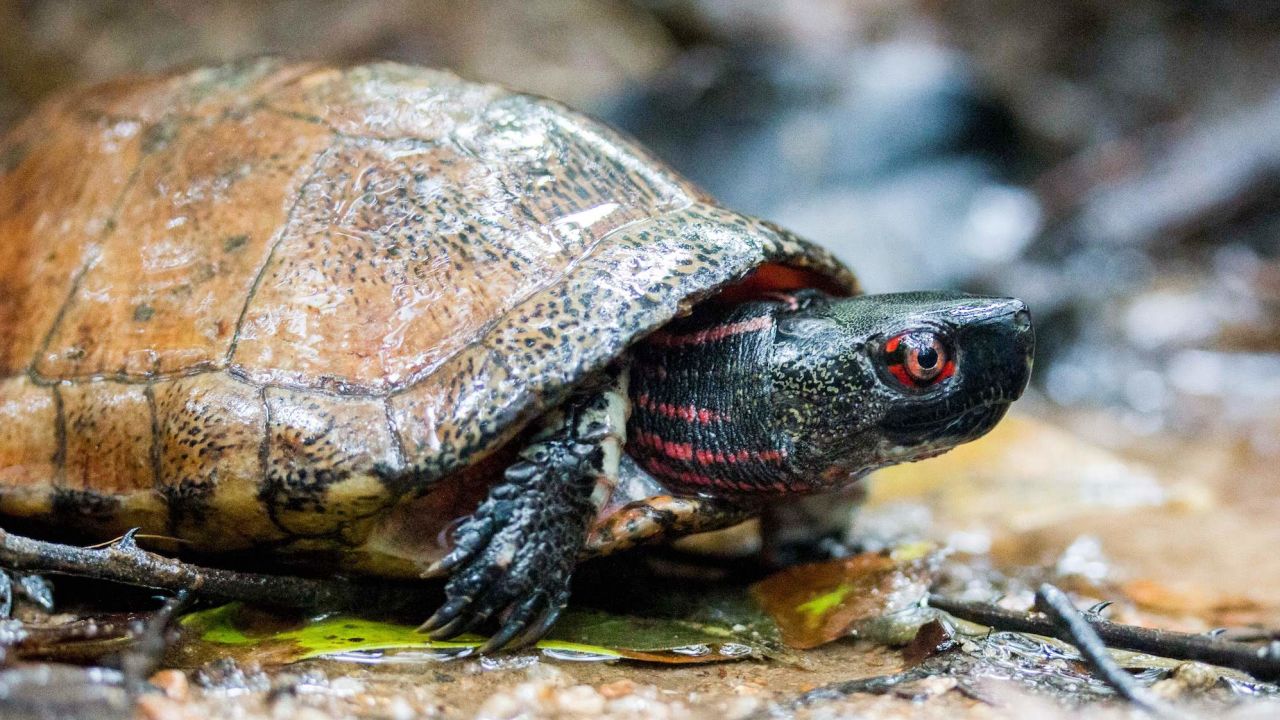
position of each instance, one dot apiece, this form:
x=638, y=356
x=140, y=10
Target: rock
x=173, y=683
x=617, y=688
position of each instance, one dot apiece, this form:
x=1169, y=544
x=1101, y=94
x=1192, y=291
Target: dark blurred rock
x=1083, y=72
x=889, y=153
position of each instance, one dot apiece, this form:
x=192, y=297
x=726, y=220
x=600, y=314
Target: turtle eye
x=918, y=359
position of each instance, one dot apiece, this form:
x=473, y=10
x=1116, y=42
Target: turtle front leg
x=515, y=554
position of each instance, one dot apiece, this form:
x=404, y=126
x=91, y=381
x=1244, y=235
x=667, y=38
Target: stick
x=150, y=640
x=1057, y=606
x=1260, y=663
x=123, y=561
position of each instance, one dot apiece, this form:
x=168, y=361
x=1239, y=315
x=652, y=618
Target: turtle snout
x=999, y=350
x=1021, y=340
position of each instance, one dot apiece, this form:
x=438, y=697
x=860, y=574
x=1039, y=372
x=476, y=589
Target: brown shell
x=258, y=303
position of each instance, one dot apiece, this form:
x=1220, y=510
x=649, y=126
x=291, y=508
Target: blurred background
x=1117, y=165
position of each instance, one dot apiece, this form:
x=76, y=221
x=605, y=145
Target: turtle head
x=869, y=381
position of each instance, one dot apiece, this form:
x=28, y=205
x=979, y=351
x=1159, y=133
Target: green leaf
x=270, y=638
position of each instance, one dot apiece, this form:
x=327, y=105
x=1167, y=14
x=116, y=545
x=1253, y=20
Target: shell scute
x=386, y=100
x=57, y=200
x=211, y=429
x=398, y=252
x=109, y=451
x=29, y=446
x=579, y=180
x=192, y=231
x=322, y=457
x=156, y=101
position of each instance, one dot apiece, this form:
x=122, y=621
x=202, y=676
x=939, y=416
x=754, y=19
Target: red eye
x=918, y=359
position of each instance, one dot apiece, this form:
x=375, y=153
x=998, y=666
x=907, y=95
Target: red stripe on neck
x=711, y=334
x=688, y=413
x=686, y=452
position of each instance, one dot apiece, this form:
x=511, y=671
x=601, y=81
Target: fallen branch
x=1262, y=663
x=1067, y=619
x=150, y=641
x=124, y=562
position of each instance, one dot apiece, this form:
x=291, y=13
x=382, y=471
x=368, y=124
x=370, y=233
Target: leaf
x=820, y=602
x=268, y=638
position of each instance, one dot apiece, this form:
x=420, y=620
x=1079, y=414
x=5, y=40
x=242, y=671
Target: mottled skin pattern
x=273, y=305
x=796, y=393
x=314, y=313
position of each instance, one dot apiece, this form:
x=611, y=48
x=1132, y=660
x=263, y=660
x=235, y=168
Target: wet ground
x=1178, y=537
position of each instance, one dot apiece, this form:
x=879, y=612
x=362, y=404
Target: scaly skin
x=516, y=552
x=797, y=393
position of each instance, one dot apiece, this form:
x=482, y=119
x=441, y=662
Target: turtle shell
x=266, y=302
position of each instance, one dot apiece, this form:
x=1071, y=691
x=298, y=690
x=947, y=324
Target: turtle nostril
x=1022, y=320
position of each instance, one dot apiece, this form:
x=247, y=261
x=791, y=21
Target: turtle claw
x=515, y=624
x=514, y=556
x=444, y=617
x=542, y=624
x=449, y=628
x=527, y=622
x=528, y=581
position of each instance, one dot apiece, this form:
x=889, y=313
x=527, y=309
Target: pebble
x=160, y=707
x=741, y=707
x=1188, y=678
x=173, y=683
x=617, y=688
x=580, y=700
x=750, y=689
x=400, y=709
x=346, y=686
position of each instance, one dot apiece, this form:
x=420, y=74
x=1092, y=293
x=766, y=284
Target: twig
x=937, y=666
x=150, y=640
x=878, y=685
x=6, y=594
x=125, y=562
x=1057, y=606
x=29, y=636
x=1258, y=662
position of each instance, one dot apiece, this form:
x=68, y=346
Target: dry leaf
x=820, y=602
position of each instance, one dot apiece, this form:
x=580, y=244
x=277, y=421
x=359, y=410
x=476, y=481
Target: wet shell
x=266, y=304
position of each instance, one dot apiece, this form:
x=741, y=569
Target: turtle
x=386, y=321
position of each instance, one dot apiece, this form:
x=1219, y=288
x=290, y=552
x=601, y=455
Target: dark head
x=869, y=381
x=804, y=392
